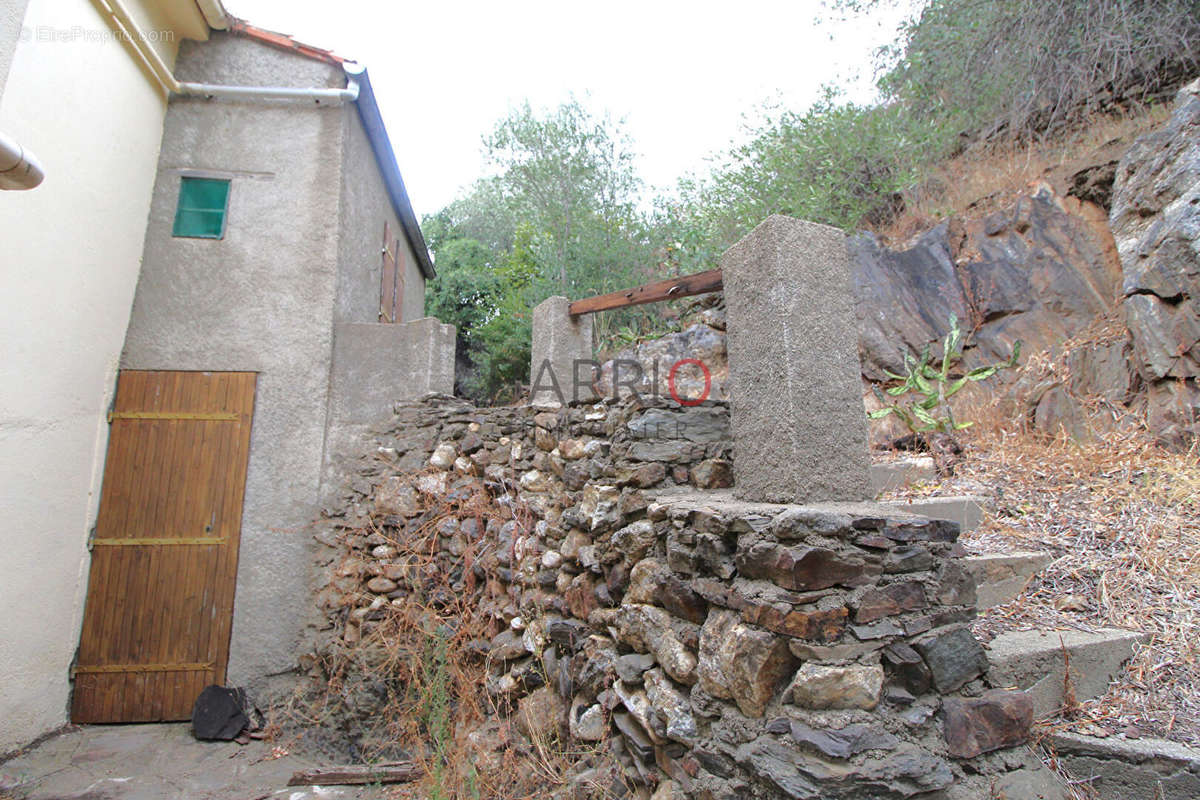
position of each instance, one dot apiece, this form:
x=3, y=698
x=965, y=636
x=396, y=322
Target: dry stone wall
x=721, y=649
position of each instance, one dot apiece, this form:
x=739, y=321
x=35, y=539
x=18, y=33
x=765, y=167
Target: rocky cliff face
x=1156, y=222
x=1111, y=298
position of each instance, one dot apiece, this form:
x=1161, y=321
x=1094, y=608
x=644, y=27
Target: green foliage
x=931, y=385
x=837, y=163
x=557, y=217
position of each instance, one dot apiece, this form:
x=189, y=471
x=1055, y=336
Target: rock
x=668, y=790
x=586, y=722
x=535, y=481
x=381, y=585
x=542, y=715
x=976, y=725
x=838, y=742
x=907, y=665
x=800, y=567
x=396, y=496
x=907, y=558
x=443, y=457
x=1155, y=221
x=647, y=628
x=571, y=449
x=672, y=706
x=465, y=466
x=507, y=645
x=599, y=506
x=740, y=663
x=635, y=540
x=953, y=656
x=631, y=666
x=648, y=475
x=551, y=559
x=651, y=582
x=892, y=599
x=823, y=687
x=713, y=473
x=638, y=705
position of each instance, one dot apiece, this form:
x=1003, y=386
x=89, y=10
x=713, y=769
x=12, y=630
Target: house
x=218, y=283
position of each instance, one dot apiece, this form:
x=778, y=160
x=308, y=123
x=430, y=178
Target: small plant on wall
x=922, y=398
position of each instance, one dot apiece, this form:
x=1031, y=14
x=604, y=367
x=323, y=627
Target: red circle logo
x=671, y=382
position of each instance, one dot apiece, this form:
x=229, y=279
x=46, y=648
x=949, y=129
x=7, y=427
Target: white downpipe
x=153, y=61
x=18, y=167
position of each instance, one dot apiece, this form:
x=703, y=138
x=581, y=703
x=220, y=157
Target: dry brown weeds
x=413, y=685
x=1121, y=517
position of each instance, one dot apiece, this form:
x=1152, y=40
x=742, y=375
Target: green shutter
x=202, y=206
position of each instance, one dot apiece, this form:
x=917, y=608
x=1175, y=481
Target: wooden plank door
x=164, y=555
x=391, y=280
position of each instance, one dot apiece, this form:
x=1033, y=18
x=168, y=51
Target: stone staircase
x=1048, y=664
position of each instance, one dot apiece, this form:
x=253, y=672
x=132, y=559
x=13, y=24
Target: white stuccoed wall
x=69, y=260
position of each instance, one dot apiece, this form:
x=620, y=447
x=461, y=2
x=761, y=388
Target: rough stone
x=443, y=456
x=953, y=655
x=797, y=418
x=801, y=567
x=542, y=714
x=672, y=706
x=740, y=663
x=978, y=725
x=830, y=687
x=647, y=628
x=892, y=599
x=396, y=496
x=713, y=473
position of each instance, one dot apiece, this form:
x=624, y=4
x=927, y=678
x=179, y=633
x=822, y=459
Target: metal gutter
x=385, y=157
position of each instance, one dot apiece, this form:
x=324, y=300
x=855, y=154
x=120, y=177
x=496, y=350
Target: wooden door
x=164, y=555
x=391, y=281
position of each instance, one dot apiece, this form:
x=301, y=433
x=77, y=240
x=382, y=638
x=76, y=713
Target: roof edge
x=385, y=157
x=214, y=14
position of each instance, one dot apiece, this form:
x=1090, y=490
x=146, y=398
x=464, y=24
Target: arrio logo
x=626, y=373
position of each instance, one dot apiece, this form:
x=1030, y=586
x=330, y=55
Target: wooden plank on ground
x=671, y=289
x=356, y=774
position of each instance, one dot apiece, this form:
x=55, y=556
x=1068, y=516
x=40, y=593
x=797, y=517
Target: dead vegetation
x=990, y=177
x=1121, y=517
x=409, y=680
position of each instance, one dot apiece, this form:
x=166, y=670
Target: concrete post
x=559, y=343
x=799, y=428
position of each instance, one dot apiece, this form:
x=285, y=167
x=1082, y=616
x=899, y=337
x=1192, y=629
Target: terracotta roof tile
x=282, y=41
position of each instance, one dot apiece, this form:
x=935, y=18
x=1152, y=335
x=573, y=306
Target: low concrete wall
x=377, y=364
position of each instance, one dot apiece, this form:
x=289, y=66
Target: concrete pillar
x=799, y=428
x=560, y=344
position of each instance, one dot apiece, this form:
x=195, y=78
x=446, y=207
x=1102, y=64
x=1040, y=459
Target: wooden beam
x=356, y=774
x=672, y=289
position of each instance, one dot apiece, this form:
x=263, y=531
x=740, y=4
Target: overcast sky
x=682, y=74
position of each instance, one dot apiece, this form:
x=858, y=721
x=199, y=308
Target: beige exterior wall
x=70, y=258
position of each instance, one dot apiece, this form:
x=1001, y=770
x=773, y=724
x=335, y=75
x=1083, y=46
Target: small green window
x=202, y=206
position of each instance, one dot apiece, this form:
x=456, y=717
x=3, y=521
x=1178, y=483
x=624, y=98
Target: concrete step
x=1000, y=577
x=1130, y=769
x=966, y=510
x=888, y=476
x=1034, y=661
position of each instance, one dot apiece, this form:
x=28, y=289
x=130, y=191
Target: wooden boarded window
x=160, y=592
x=391, y=288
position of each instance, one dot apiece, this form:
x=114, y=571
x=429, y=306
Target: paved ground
x=156, y=762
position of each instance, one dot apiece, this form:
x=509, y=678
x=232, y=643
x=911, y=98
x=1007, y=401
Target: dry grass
x=1121, y=516
x=985, y=179
x=413, y=684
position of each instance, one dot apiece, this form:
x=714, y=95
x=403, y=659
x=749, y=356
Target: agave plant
x=932, y=386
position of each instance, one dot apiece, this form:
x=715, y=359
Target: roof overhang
x=385, y=157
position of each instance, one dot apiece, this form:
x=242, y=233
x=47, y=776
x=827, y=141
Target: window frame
x=180, y=208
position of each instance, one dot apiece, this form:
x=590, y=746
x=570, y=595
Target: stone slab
x=1131, y=769
x=966, y=510
x=800, y=432
x=559, y=341
x=1001, y=577
x=888, y=476
x=1034, y=661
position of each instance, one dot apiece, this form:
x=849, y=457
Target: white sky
x=682, y=74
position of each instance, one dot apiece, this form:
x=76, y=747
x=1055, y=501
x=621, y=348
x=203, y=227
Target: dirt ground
x=157, y=762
